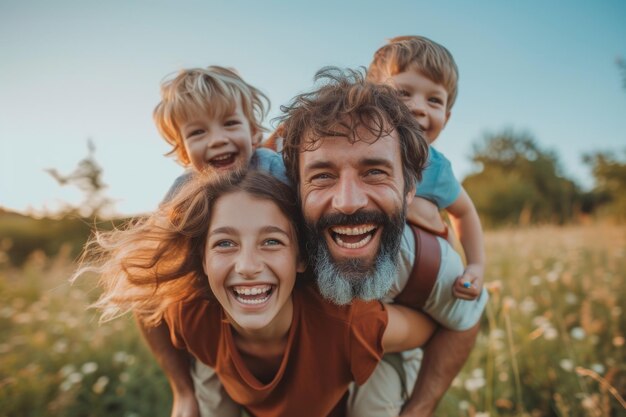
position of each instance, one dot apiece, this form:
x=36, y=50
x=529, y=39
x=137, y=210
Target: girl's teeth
x=251, y=290
x=253, y=301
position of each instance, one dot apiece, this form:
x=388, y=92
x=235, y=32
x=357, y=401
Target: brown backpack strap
x=424, y=272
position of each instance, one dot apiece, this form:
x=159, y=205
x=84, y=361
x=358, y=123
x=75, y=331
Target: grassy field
x=552, y=340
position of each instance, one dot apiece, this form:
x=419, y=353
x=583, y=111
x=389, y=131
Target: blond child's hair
x=404, y=53
x=214, y=91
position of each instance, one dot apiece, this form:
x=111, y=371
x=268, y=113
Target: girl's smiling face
x=251, y=260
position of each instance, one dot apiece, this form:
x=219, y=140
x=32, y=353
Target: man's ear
x=410, y=195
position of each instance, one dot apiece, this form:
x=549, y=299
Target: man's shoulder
x=440, y=304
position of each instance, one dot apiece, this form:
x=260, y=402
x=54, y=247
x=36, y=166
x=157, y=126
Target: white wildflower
x=598, y=368
x=578, y=333
x=571, y=298
x=100, y=385
x=89, y=368
x=567, y=365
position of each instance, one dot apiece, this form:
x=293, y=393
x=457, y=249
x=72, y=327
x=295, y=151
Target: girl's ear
x=204, y=266
x=301, y=267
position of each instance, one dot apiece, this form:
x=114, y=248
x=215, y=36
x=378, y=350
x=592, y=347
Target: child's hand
x=469, y=285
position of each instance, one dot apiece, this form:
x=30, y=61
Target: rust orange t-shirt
x=328, y=347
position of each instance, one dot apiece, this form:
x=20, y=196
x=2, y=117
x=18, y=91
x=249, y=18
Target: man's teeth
x=252, y=290
x=353, y=231
x=341, y=234
x=355, y=245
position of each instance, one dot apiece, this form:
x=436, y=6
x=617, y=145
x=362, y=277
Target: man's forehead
x=364, y=149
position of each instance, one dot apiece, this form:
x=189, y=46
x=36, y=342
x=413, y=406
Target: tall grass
x=56, y=360
x=552, y=340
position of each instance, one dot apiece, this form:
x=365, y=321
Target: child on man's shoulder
x=426, y=76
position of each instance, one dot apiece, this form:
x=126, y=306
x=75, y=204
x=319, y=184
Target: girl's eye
x=224, y=244
x=272, y=242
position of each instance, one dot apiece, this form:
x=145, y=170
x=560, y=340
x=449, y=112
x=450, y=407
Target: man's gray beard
x=339, y=282
x=342, y=281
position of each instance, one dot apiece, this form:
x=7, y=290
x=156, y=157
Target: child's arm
x=406, y=329
x=466, y=224
x=175, y=363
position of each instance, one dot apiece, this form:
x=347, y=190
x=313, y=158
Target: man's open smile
x=353, y=237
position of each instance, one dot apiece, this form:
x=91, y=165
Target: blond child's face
x=251, y=260
x=221, y=142
x=426, y=99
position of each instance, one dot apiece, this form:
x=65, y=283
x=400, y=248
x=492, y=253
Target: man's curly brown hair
x=344, y=105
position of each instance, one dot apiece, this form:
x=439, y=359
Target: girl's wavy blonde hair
x=215, y=91
x=156, y=261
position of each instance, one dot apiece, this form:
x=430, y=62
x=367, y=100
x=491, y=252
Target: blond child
x=212, y=118
x=221, y=264
x=425, y=75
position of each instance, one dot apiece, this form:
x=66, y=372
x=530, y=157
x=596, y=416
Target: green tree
x=87, y=176
x=609, y=173
x=518, y=182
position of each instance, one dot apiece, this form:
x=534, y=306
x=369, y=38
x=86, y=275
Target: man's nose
x=349, y=195
x=248, y=263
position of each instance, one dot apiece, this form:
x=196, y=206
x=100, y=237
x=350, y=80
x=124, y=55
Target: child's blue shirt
x=262, y=159
x=438, y=183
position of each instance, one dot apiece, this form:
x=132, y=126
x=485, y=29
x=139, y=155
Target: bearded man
x=356, y=152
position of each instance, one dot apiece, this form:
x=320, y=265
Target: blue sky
x=72, y=70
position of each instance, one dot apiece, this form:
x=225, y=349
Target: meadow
x=552, y=340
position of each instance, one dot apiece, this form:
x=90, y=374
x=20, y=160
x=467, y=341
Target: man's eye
x=374, y=172
x=320, y=177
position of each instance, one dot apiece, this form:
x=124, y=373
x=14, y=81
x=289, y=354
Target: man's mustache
x=359, y=217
